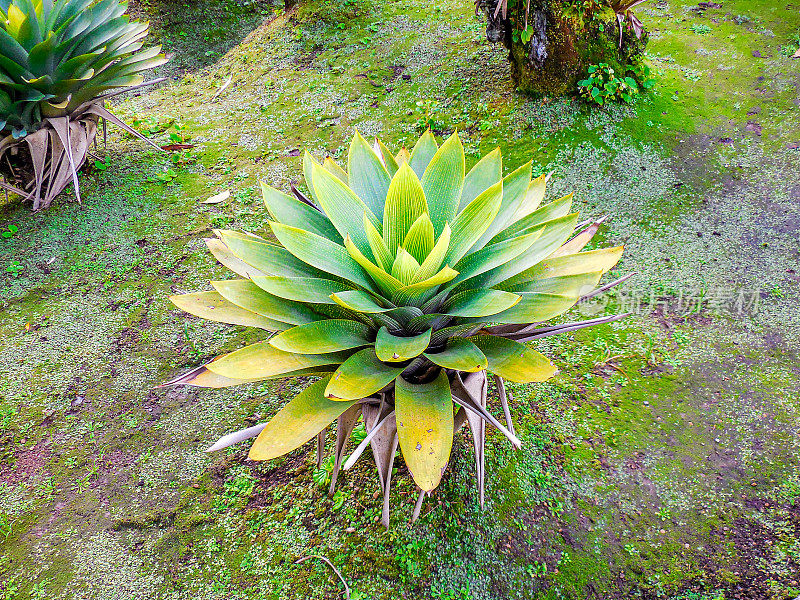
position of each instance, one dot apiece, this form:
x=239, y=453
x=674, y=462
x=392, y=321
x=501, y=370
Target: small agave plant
x=59, y=61
x=402, y=280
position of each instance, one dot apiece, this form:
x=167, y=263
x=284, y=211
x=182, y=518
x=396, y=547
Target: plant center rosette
x=402, y=280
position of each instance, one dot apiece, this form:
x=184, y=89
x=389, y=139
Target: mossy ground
x=661, y=463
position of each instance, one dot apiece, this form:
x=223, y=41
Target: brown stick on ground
x=330, y=564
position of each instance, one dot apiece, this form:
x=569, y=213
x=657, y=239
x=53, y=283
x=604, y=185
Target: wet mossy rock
x=563, y=47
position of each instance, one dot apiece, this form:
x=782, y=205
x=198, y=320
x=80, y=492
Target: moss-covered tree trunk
x=551, y=49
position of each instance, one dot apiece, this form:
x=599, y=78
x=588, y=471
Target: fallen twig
x=223, y=88
x=330, y=564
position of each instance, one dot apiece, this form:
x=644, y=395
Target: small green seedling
x=15, y=268
x=166, y=177
x=178, y=136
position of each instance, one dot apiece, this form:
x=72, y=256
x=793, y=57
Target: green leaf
x=29, y=34
x=494, y=255
x=227, y=258
x=11, y=67
x=40, y=59
x=385, y=282
x=13, y=51
x=424, y=150
x=416, y=293
x=554, y=234
x=309, y=163
x=515, y=188
x=403, y=314
x=405, y=202
x=267, y=257
x=535, y=308
x=443, y=182
x=487, y=172
x=212, y=306
x=301, y=289
x=342, y=206
x=429, y=321
x=566, y=285
x=368, y=178
x=331, y=335
x=473, y=221
x=554, y=210
x=290, y=211
x=262, y=361
x=299, y=421
x=321, y=253
x=405, y=266
x=583, y=262
x=384, y=320
x=392, y=348
x=433, y=262
x=388, y=159
x=334, y=168
x=420, y=238
x=245, y=293
x=383, y=258
x=404, y=156
x=441, y=336
x=460, y=355
x=359, y=301
x=360, y=376
x=425, y=427
x=480, y=303
x=514, y=361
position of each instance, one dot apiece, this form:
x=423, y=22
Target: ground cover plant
x=60, y=60
x=603, y=85
x=407, y=280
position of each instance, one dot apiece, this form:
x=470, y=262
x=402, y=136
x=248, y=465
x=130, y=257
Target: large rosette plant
x=403, y=281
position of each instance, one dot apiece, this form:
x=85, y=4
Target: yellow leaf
x=15, y=19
